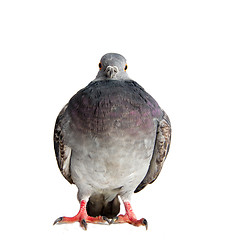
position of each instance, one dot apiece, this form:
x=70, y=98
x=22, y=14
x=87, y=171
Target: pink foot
x=130, y=217
x=82, y=217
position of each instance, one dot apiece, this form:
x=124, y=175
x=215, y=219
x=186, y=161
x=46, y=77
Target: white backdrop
x=179, y=51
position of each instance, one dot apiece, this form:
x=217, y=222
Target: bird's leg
x=82, y=217
x=129, y=217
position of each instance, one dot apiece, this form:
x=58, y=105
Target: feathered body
x=111, y=139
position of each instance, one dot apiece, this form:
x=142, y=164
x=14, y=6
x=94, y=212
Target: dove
x=111, y=140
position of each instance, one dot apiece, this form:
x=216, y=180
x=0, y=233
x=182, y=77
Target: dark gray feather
x=98, y=206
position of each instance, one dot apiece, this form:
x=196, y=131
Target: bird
x=111, y=140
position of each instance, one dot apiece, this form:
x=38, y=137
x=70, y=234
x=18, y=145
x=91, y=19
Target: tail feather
x=97, y=206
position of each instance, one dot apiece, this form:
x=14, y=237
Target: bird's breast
x=111, y=130
x=113, y=163
x=99, y=112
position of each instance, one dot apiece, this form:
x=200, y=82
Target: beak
x=111, y=71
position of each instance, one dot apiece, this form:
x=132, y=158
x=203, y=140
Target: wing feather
x=62, y=151
x=160, y=152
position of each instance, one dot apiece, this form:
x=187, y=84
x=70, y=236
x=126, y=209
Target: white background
x=179, y=51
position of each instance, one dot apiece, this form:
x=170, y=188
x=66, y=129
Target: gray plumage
x=111, y=139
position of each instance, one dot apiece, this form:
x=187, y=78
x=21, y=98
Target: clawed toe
x=58, y=220
x=83, y=224
x=114, y=219
x=133, y=221
x=106, y=219
x=145, y=223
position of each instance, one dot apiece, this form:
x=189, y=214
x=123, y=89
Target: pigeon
x=111, y=140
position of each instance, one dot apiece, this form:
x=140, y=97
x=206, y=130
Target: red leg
x=130, y=217
x=81, y=217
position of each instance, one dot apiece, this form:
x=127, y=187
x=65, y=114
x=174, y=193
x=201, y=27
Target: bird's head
x=112, y=66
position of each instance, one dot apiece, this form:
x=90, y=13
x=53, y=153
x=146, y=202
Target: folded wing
x=62, y=151
x=162, y=144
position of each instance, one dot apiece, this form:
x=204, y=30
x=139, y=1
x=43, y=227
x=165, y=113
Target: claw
x=106, y=219
x=114, y=219
x=83, y=224
x=145, y=223
x=58, y=220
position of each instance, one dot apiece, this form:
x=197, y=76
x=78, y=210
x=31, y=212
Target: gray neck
x=120, y=76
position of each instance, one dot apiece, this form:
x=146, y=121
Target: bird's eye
x=126, y=67
x=100, y=65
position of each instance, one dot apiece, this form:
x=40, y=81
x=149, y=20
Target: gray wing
x=162, y=144
x=62, y=151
